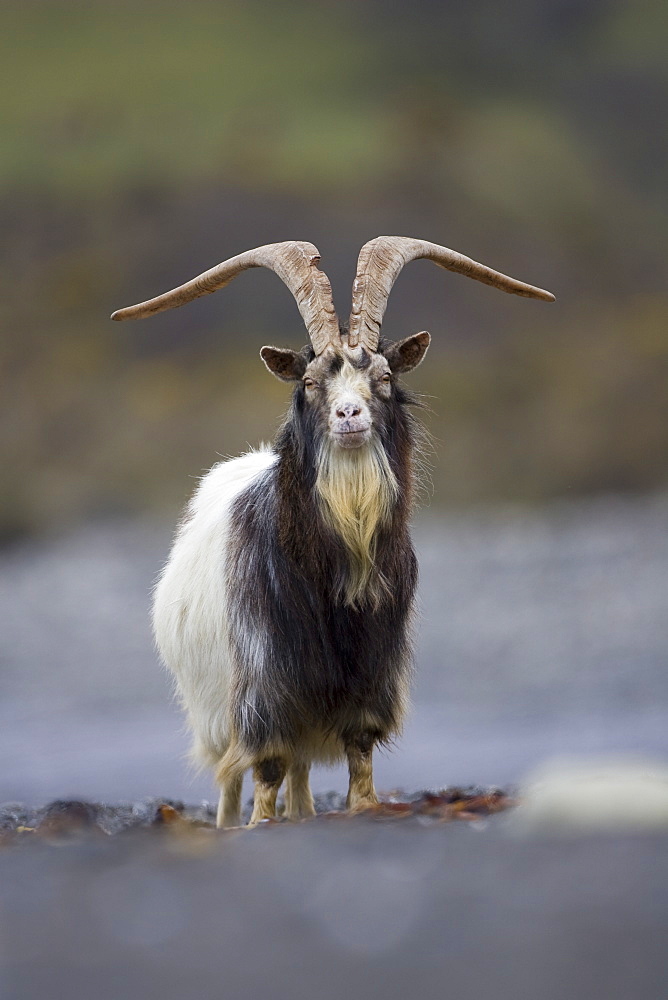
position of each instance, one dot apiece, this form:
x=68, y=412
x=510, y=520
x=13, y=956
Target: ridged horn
x=295, y=263
x=378, y=267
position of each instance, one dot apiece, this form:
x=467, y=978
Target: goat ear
x=407, y=354
x=283, y=363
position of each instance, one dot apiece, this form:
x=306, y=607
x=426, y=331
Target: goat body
x=284, y=611
x=288, y=633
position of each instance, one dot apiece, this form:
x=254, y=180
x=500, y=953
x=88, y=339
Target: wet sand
x=346, y=908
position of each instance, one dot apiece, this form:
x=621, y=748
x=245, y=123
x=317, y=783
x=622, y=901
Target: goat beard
x=358, y=491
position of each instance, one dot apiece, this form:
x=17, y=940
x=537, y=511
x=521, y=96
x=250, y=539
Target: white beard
x=358, y=491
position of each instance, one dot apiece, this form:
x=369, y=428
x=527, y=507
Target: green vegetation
x=145, y=93
x=145, y=141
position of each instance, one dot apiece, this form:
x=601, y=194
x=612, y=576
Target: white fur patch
x=189, y=621
x=348, y=382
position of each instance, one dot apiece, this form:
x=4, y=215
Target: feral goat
x=284, y=611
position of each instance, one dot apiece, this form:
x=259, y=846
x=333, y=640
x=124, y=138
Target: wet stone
x=62, y=821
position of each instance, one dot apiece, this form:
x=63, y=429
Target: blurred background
x=144, y=142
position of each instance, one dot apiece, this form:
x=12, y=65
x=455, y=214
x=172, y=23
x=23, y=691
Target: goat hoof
x=362, y=805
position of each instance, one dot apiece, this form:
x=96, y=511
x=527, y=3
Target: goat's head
x=346, y=391
x=344, y=380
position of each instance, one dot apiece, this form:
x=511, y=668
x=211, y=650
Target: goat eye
x=309, y=383
x=386, y=377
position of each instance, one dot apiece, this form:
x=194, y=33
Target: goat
x=285, y=608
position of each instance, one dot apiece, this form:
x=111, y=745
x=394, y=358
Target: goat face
x=346, y=392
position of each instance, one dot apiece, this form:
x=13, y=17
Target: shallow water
x=541, y=633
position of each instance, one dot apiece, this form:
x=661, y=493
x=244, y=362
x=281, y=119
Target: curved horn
x=294, y=262
x=378, y=267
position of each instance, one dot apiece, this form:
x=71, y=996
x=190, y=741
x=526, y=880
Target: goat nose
x=348, y=410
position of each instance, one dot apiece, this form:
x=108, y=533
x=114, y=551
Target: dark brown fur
x=307, y=662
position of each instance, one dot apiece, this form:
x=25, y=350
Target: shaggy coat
x=285, y=609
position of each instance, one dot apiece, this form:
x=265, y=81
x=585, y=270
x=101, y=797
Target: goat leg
x=298, y=797
x=268, y=776
x=229, y=804
x=359, y=751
